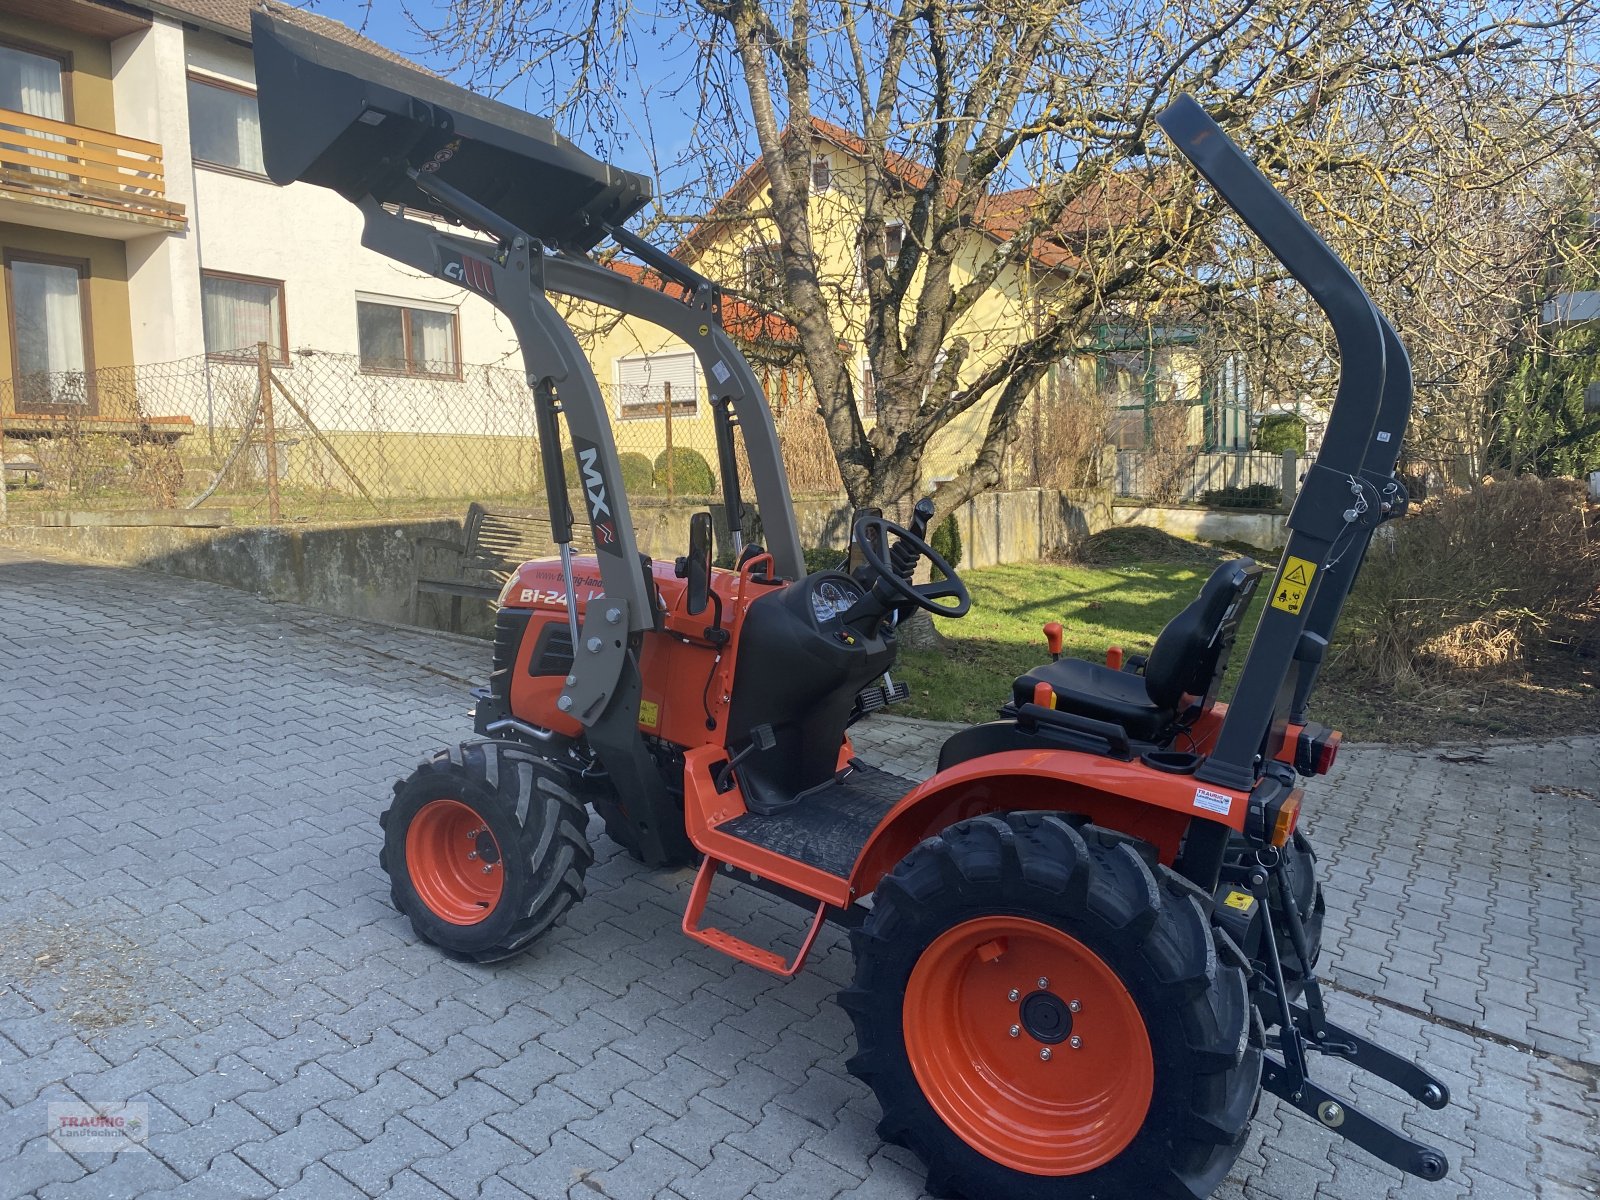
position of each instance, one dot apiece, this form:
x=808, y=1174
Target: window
x=238, y=311
x=224, y=127
x=763, y=269
x=821, y=173
x=33, y=82
x=869, y=391
x=649, y=384
x=408, y=338
x=894, y=233
x=47, y=301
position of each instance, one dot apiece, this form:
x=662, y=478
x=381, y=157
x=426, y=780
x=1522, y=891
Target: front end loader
x=1082, y=947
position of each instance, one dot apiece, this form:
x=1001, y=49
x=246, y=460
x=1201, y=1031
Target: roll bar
x=1347, y=491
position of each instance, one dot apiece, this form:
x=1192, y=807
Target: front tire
x=486, y=849
x=1046, y=1014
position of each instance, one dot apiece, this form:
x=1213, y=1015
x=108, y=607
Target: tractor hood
x=345, y=119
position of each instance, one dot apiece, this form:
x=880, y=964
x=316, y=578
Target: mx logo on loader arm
x=594, y=493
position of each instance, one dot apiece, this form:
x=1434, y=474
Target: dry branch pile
x=1479, y=586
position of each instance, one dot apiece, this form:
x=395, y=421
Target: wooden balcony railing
x=90, y=167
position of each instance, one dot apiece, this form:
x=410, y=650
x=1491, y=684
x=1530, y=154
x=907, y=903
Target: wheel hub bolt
x=472, y=854
x=1016, y=1031
x=1075, y=1006
x=1043, y=983
x=1044, y=1054
x=1014, y=995
x=488, y=867
x=1076, y=1042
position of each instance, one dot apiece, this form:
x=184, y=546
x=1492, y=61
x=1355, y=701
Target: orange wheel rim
x=454, y=862
x=1028, y=1046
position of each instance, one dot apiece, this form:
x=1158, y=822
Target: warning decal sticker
x=1293, y=585
x=1239, y=900
x=649, y=714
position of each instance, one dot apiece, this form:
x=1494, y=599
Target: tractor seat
x=1180, y=676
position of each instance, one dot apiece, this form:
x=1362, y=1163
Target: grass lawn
x=1125, y=599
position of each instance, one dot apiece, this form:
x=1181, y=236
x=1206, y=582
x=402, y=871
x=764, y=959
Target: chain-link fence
x=320, y=436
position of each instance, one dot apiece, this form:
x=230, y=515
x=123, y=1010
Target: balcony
x=56, y=175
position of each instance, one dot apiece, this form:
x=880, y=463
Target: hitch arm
x=1339, y=1115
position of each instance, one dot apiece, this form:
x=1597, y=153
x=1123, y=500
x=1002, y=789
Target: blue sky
x=386, y=22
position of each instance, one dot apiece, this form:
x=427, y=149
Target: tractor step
x=736, y=947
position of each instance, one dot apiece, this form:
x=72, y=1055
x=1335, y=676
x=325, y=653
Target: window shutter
x=642, y=385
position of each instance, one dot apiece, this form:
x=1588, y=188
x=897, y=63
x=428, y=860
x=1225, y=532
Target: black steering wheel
x=871, y=534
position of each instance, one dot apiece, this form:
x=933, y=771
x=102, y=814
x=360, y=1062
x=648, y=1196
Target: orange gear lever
x=1052, y=638
x=1114, y=657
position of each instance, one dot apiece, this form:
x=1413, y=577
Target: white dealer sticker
x=720, y=370
x=1216, y=802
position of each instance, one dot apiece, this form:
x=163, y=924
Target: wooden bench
x=495, y=542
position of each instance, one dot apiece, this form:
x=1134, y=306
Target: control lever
x=1052, y=639
x=901, y=556
x=761, y=738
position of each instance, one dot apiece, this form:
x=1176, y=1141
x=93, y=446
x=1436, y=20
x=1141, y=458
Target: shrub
x=1477, y=585
x=824, y=558
x=638, y=475
x=1281, y=431
x=691, y=473
x=946, y=539
x=1253, y=495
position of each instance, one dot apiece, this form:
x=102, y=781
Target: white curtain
x=47, y=317
x=237, y=314
x=247, y=129
x=31, y=83
x=433, y=343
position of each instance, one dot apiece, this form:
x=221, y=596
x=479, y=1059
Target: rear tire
x=486, y=849
x=1157, y=1098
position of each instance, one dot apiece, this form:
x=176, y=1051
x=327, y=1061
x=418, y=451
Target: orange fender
x=1128, y=797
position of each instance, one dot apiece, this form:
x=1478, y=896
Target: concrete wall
x=1263, y=529
x=360, y=570
x=365, y=569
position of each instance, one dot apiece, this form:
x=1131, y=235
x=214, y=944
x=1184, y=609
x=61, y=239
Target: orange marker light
x=1052, y=637
x=1288, y=817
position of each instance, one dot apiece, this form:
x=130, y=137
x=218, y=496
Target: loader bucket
x=351, y=121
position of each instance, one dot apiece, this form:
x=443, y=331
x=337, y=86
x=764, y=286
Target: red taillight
x=1316, y=749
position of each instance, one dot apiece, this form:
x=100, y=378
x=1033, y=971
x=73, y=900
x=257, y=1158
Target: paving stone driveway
x=192, y=917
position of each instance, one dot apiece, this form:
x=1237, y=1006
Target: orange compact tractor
x=1084, y=945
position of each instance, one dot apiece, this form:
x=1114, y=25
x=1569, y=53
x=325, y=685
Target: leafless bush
x=1170, y=456
x=1072, y=433
x=1477, y=586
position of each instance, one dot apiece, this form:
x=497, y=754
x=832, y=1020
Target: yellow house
x=653, y=379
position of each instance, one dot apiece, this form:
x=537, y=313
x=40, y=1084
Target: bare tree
x=1014, y=142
